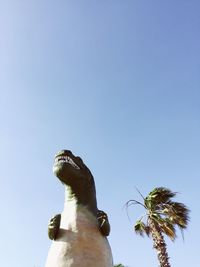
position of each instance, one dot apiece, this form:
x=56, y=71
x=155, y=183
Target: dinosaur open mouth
x=67, y=159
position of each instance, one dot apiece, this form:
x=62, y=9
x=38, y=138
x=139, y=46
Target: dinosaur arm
x=104, y=225
x=54, y=226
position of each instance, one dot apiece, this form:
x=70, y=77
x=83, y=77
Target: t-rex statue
x=79, y=233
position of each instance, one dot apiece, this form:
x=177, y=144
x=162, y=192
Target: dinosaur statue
x=79, y=233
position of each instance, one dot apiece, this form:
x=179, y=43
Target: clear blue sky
x=118, y=83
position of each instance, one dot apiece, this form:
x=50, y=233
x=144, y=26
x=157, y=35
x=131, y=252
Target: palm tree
x=119, y=265
x=162, y=216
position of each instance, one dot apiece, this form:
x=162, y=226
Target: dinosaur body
x=79, y=232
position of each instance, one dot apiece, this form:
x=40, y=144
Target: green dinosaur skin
x=81, y=186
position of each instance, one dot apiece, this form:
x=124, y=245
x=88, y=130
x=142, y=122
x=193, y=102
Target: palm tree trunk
x=159, y=244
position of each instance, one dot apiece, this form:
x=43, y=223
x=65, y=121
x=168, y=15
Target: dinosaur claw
x=53, y=227
x=104, y=225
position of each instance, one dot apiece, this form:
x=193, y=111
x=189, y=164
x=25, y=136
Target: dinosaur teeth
x=68, y=160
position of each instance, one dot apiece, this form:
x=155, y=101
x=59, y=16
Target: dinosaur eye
x=80, y=159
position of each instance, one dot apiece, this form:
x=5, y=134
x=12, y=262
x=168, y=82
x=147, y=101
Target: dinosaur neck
x=75, y=200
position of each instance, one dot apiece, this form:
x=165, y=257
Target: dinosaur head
x=75, y=174
x=67, y=167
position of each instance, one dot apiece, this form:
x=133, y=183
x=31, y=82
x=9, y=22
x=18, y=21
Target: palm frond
x=133, y=202
x=159, y=195
x=164, y=224
x=168, y=229
x=140, y=193
x=177, y=212
x=141, y=228
x=130, y=203
x=182, y=213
